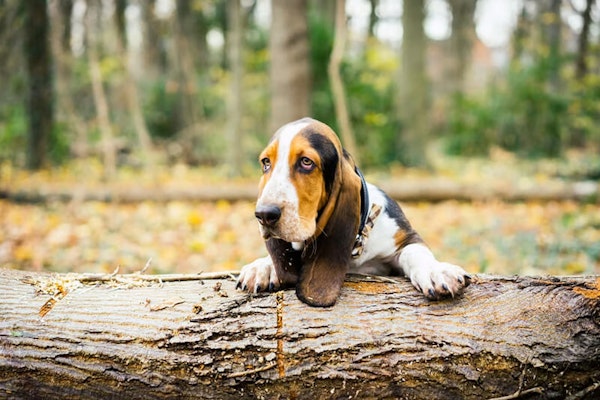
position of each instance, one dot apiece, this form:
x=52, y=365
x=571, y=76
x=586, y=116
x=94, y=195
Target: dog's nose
x=268, y=214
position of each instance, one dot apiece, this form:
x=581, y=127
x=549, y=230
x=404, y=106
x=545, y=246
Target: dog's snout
x=268, y=214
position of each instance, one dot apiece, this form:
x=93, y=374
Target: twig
x=582, y=393
x=374, y=278
x=146, y=266
x=520, y=392
x=252, y=371
x=88, y=278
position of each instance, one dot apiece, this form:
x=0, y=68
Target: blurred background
x=129, y=129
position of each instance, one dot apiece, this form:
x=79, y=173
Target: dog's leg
x=258, y=276
x=434, y=278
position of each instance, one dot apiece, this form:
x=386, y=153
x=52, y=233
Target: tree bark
x=139, y=336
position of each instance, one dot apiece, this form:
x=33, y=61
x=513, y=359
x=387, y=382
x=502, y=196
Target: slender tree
x=551, y=25
x=413, y=101
x=337, y=84
x=290, y=67
x=99, y=94
x=234, y=98
x=66, y=109
x=39, y=92
x=518, y=37
x=373, y=17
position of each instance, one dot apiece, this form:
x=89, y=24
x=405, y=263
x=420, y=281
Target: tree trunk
x=519, y=36
x=373, y=17
x=461, y=43
x=413, y=101
x=100, y=101
x=337, y=84
x=60, y=13
x=139, y=336
x=155, y=57
x=581, y=67
x=190, y=107
x=39, y=71
x=129, y=87
x=290, y=68
x=235, y=95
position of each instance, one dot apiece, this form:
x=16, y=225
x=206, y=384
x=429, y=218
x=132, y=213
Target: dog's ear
x=328, y=257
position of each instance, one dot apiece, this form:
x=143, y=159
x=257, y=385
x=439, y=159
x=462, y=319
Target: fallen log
x=423, y=189
x=194, y=336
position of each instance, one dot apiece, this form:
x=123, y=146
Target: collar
x=364, y=201
x=367, y=218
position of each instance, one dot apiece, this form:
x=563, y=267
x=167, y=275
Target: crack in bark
x=279, y=335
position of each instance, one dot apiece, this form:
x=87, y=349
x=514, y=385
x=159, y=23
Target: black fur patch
x=395, y=212
x=327, y=152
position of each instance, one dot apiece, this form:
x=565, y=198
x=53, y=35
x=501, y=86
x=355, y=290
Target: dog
x=320, y=220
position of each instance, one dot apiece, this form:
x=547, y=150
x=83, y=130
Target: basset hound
x=320, y=220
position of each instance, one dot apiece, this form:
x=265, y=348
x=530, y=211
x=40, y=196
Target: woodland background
x=135, y=93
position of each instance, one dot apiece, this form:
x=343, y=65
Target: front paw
x=440, y=279
x=258, y=276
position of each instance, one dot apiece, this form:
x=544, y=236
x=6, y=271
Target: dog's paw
x=258, y=276
x=440, y=279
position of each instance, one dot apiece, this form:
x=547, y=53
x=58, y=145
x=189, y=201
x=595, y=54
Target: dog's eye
x=306, y=164
x=266, y=164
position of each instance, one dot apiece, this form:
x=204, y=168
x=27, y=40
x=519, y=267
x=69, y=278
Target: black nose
x=268, y=214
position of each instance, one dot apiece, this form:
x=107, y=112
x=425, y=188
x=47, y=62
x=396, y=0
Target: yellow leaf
x=194, y=218
x=23, y=253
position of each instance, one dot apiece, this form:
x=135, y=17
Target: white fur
x=280, y=190
x=429, y=275
x=257, y=275
x=380, y=243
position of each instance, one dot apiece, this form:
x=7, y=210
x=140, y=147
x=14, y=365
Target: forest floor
x=189, y=236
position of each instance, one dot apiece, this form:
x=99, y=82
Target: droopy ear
x=323, y=272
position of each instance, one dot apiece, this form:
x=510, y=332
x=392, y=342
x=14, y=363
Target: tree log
x=422, y=189
x=141, y=336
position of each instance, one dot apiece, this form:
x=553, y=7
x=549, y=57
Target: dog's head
x=309, y=196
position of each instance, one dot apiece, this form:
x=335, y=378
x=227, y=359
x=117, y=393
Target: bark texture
x=139, y=336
